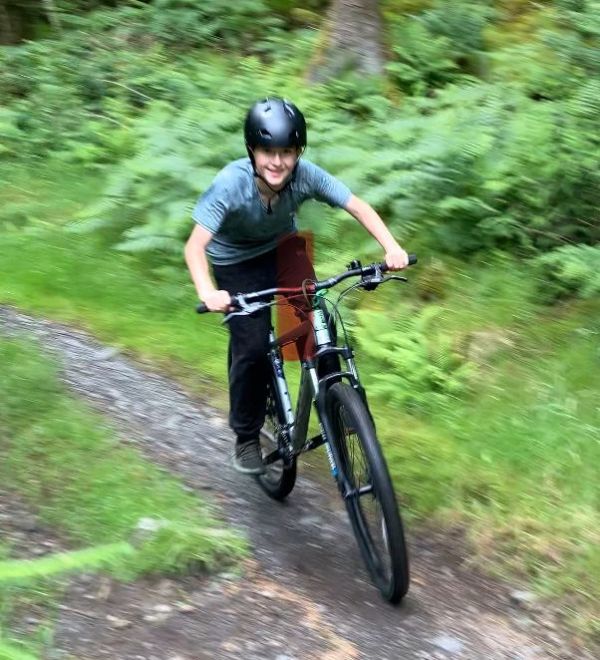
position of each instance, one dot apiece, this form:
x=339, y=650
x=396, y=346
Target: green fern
x=411, y=364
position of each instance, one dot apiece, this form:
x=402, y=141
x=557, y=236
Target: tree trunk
x=353, y=40
x=11, y=28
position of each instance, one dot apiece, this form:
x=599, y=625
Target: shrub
x=570, y=270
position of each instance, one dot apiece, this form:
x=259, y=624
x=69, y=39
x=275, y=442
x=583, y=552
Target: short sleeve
x=212, y=206
x=323, y=186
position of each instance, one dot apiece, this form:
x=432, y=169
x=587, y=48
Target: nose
x=276, y=157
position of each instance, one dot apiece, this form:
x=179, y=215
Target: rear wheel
x=370, y=501
x=279, y=477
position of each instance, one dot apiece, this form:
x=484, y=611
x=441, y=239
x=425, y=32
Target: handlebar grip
x=412, y=260
x=201, y=308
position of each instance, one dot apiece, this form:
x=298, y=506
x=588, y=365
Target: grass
x=513, y=460
x=32, y=196
x=9, y=651
x=63, y=460
x=74, y=279
x=22, y=587
x=20, y=570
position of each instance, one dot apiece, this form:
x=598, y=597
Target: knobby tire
x=374, y=515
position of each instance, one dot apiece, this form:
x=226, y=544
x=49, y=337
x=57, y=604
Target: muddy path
x=304, y=594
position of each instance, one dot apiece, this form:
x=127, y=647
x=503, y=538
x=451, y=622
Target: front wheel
x=369, y=497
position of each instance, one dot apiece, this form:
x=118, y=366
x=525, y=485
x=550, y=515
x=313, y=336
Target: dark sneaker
x=247, y=458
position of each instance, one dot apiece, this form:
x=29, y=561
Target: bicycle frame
x=312, y=388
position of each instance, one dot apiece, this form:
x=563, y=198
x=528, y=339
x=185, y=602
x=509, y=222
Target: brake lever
x=246, y=309
x=371, y=283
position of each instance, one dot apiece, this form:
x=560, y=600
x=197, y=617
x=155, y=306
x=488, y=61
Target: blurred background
x=473, y=129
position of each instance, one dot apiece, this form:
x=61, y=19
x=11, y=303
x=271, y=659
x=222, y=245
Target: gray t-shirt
x=232, y=210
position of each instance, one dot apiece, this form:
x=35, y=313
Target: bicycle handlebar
x=312, y=287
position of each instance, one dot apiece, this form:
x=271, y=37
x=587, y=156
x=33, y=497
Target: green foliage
x=422, y=61
x=570, y=270
x=147, y=203
x=513, y=162
x=559, y=56
x=14, y=652
x=438, y=46
x=185, y=24
x=418, y=367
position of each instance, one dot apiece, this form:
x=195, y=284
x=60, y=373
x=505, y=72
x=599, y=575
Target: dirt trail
x=304, y=594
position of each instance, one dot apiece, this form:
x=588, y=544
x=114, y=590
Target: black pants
x=249, y=369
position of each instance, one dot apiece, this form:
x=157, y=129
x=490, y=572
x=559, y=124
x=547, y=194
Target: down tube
x=305, y=397
x=281, y=383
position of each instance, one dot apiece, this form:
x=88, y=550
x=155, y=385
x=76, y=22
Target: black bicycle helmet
x=274, y=122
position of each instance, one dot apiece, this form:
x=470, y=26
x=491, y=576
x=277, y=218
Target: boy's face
x=275, y=165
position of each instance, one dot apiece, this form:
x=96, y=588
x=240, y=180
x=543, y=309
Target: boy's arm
x=197, y=263
x=395, y=257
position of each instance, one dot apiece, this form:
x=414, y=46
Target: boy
x=246, y=228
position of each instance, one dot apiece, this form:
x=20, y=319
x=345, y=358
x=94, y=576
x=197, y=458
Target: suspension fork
x=328, y=434
x=357, y=385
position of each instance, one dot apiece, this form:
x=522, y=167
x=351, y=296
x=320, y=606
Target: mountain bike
x=347, y=428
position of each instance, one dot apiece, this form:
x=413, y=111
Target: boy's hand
x=217, y=301
x=396, y=258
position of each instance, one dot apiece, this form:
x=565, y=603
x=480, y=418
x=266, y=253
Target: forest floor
x=303, y=594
